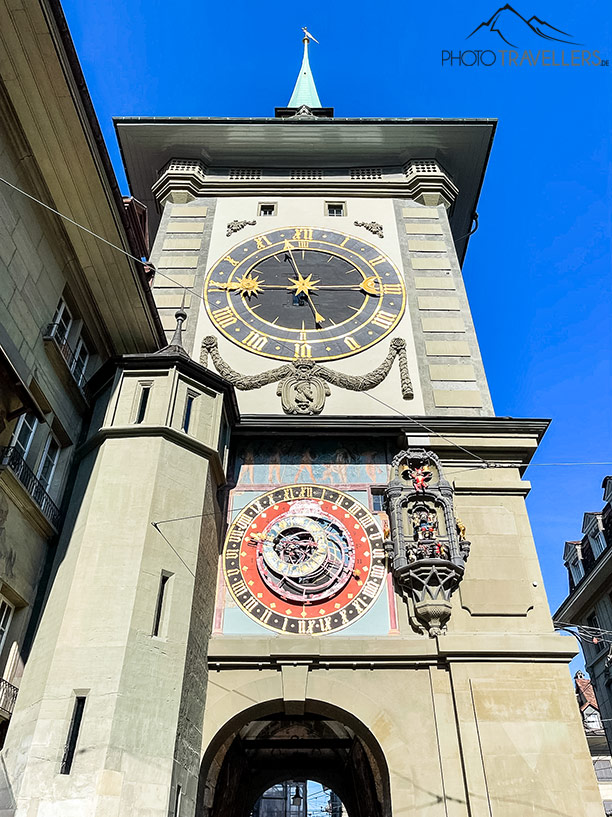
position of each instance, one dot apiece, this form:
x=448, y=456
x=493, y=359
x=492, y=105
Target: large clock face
x=303, y=292
x=304, y=559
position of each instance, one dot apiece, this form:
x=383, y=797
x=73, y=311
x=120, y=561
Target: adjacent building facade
x=589, y=602
x=596, y=737
x=67, y=304
x=293, y=543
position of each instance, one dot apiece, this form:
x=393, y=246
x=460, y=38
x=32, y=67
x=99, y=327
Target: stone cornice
x=172, y=435
x=236, y=653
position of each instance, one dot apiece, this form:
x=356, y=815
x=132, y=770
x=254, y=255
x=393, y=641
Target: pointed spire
x=175, y=347
x=181, y=317
x=305, y=91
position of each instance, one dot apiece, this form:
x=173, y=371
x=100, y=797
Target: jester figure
x=420, y=477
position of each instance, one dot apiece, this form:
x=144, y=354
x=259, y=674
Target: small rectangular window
x=62, y=321
x=577, y=568
x=23, y=434
x=6, y=614
x=159, y=605
x=73, y=734
x=378, y=501
x=177, y=800
x=79, y=361
x=267, y=208
x=46, y=469
x=599, y=641
x=187, y=412
x=335, y=208
x=142, y=404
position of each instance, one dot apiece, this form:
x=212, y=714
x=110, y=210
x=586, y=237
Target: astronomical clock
x=304, y=559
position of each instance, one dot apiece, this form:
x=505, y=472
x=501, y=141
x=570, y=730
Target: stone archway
x=265, y=746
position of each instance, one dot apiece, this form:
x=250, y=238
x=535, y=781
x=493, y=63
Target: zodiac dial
x=304, y=559
x=304, y=292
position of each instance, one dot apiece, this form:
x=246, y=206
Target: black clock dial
x=304, y=292
x=335, y=289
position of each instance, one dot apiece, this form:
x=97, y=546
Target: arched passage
x=264, y=745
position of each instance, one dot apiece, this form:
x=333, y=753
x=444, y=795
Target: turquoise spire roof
x=305, y=91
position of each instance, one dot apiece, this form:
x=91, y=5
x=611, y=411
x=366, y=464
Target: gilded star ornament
x=303, y=285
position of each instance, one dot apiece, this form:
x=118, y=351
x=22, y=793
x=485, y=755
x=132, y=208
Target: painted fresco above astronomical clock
x=304, y=551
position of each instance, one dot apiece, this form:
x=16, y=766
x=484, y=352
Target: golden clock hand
x=303, y=286
x=317, y=316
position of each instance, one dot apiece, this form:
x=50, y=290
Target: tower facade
x=332, y=576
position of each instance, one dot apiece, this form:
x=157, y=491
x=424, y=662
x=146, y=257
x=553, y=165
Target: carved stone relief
x=372, y=226
x=303, y=384
x=428, y=546
x=234, y=226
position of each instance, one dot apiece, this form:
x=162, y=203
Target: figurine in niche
x=440, y=551
x=420, y=478
x=460, y=529
x=425, y=525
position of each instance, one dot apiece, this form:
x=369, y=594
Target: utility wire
x=411, y=419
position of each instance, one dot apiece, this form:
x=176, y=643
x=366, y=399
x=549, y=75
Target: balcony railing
x=8, y=695
x=10, y=457
x=53, y=331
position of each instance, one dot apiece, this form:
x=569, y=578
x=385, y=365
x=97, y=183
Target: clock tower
x=334, y=578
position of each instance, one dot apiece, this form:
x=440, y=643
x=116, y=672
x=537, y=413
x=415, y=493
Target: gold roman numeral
x=303, y=350
x=231, y=260
x=224, y=317
x=303, y=232
x=265, y=616
x=384, y=319
x=250, y=604
x=351, y=343
x=392, y=289
x=262, y=242
x=255, y=341
x=378, y=260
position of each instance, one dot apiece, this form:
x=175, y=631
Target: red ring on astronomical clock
x=304, y=559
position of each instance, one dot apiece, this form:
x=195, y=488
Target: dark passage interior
x=271, y=750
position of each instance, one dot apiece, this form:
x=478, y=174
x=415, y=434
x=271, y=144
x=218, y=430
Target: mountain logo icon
x=515, y=30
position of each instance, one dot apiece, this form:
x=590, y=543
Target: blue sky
x=538, y=269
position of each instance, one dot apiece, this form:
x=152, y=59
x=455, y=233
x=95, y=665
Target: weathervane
x=308, y=35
